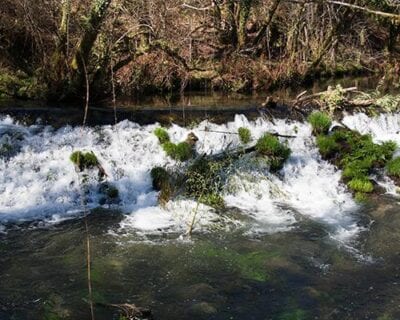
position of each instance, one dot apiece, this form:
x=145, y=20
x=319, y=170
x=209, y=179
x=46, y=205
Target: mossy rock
x=110, y=193
x=277, y=153
x=159, y=177
x=161, y=181
x=84, y=160
x=244, y=135
x=182, y=151
x=320, y=122
x=162, y=135
x=358, y=156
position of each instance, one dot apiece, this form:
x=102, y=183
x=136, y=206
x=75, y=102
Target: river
x=291, y=245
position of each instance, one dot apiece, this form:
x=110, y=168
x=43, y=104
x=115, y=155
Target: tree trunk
x=261, y=33
x=244, y=13
x=84, y=49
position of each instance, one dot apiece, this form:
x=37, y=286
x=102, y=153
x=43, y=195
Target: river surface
x=291, y=245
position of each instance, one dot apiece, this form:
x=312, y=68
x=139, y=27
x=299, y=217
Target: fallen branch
x=301, y=97
x=228, y=132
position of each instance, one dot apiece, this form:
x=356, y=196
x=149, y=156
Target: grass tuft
x=270, y=146
x=363, y=185
x=84, y=160
x=162, y=135
x=393, y=167
x=320, y=122
x=244, y=135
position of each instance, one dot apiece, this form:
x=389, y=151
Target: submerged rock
x=110, y=194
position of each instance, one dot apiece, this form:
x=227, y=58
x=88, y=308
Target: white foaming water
x=39, y=181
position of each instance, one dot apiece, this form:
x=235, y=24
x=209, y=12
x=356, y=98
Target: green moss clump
x=244, y=135
x=361, y=185
x=277, y=153
x=393, y=167
x=327, y=146
x=182, y=151
x=162, y=135
x=84, y=160
x=320, y=122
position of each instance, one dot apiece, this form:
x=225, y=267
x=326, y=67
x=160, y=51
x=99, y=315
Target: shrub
x=327, y=145
x=320, y=122
x=204, y=181
x=361, y=185
x=162, y=135
x=244, y=135
x=277, y=153
x=393, y=167
x=212, y=199
x=83, y=160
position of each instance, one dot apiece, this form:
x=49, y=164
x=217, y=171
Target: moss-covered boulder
x=162, y=135
x=84, y=160
x=182, y=151
x=109, y=192
x=162, y=181
x=276, y=152
x=356, y=154
x=244, y=135
x=320, y=122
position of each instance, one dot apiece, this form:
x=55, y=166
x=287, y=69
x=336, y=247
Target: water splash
x=40, y=182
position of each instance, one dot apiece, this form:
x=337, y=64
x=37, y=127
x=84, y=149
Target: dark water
x=185, y=110
x=300, y=274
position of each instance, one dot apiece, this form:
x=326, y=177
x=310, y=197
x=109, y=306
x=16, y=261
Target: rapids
x=38, y=182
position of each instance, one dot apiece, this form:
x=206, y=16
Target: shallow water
x=292, y=245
